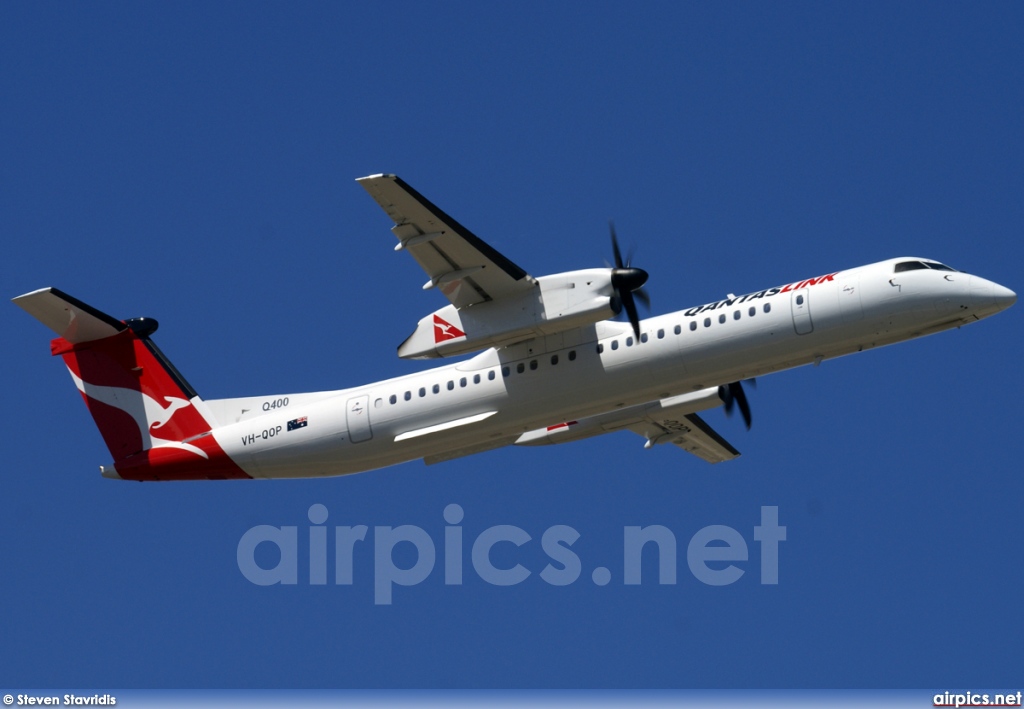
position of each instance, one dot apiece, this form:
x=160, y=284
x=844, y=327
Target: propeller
x=628, y=282
x=733, y=394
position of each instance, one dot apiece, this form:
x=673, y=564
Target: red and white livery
x=551, y=365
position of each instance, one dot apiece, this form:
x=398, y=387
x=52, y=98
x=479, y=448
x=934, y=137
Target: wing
x=460, y=264
x=672, y=420
x=690, y=432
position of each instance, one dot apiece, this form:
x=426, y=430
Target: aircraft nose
x=989, y=298
x=1003, y=296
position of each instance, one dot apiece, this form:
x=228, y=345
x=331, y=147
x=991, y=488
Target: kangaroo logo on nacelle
x=444, y=331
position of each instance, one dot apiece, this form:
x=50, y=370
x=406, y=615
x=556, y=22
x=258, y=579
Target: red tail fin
x=151, y=419
x=137, y=398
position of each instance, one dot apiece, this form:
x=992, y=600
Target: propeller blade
x=615, y=245
x=641, y=295
x=726, y=396
x=733, y=395
x=629, y=305
x=741, y=401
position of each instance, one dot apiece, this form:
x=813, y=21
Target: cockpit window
x=910, y=266
x=922, y=265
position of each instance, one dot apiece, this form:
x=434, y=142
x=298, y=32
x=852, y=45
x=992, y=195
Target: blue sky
x=195, y=164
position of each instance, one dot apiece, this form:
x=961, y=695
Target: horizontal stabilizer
x=69, y=317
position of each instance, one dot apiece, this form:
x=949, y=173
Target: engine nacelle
x=558, y=302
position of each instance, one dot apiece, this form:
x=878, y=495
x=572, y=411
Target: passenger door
x=801, y=305
x=357, y=415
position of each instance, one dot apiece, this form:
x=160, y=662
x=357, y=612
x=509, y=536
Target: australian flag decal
x=297, y=423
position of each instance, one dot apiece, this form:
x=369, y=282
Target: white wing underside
x=689, y=432
x=458, y=263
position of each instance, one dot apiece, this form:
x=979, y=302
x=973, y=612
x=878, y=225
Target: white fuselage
x=493, y=398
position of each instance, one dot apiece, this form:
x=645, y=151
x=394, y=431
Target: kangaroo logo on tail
x=146, y=411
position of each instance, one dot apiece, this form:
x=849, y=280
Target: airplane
x=552, y=365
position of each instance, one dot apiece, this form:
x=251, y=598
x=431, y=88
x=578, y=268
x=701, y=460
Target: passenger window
x=799, y=300
x=615, y=344
x=451, y=385
x=693, y=325
x=572, y=355
x=736, y=315
x=462, y=382
x=423, y=392
x=752, y=312
x=520, y=368
x=533, y=364
x=678, y=329
x=476, y=378
x=504, y=371
x=721, y=318
x=436, y=388
x=490, y=375
x=600, y=347
x=554, y=359
x=629, y=342
x=707, y=322
x=767, y=307
x=661, y=334
x=408, y=395
x=393, y=399
x=643, y=337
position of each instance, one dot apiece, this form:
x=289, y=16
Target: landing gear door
x=357, y=416
x=801, y=304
